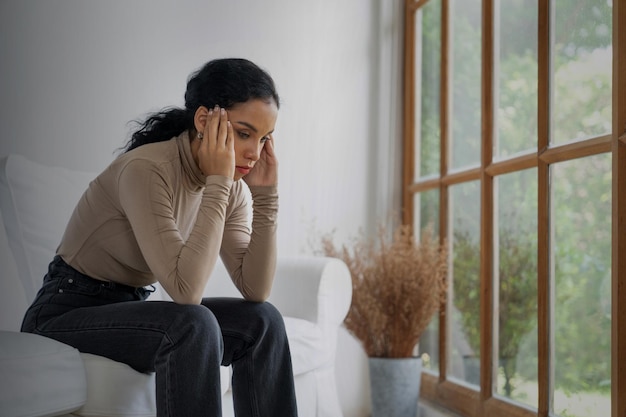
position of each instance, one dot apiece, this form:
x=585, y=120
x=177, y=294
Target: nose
x=253, y=152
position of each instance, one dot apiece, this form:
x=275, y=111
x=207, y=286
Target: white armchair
x=42, y=377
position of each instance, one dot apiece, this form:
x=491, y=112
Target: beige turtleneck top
x=153, y=216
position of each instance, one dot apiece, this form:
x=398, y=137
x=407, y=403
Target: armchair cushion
x=39, y=376
x=134, y=391
x=305, y=340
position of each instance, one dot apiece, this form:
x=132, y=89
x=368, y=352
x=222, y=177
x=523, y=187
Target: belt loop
x=143, y=292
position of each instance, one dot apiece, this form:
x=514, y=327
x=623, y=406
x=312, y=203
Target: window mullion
x=409, y=108
x=618, y=268
x=543, y=224
x=444, y=211
x=487, y=211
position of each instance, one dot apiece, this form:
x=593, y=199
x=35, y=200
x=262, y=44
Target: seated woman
x=162, y=212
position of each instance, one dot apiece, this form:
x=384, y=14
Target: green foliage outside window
x=581, y=199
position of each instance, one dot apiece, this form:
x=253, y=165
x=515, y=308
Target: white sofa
x=42, y=377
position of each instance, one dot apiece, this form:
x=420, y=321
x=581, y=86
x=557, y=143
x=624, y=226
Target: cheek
x=240, y=147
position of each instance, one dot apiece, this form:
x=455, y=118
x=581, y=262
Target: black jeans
x=184, y=344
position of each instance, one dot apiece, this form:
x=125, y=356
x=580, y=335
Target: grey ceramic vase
x=395, y=386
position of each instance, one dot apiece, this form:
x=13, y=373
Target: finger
x=222, y=134
x=230, y=140
x=212, y=126
x=269, y=146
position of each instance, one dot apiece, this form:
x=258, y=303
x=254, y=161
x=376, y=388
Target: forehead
x=260, y=113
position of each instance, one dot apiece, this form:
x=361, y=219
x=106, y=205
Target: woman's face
x=253, y=123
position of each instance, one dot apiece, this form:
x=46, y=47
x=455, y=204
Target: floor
x=430, y=410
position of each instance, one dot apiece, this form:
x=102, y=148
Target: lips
x=244, y=170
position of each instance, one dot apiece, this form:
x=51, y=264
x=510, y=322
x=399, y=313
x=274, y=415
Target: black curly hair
x=223, y=82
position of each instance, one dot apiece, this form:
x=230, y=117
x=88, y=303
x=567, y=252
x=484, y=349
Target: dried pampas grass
x=398, y=284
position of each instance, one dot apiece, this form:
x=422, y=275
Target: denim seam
x=249, y=367
x=254, y=404
x=40, y=307
x=107, y=329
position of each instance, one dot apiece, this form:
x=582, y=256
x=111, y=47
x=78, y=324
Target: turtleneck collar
x=192, y=171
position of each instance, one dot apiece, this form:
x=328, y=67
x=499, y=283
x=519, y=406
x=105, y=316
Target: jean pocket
x=76, y=285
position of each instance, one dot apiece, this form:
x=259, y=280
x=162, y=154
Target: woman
x=162, y=212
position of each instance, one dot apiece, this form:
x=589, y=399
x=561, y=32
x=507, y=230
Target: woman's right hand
x=216, y=154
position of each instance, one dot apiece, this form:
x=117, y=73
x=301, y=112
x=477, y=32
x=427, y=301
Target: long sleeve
x=182, y=266
x=153, y=216
x=250, y=255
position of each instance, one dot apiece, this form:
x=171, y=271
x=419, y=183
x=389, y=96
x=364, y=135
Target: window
x=515, y=150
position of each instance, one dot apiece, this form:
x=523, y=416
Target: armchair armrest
x=314, y=288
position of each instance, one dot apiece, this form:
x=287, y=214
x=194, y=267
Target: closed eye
x=265, y=139
x=243, y=135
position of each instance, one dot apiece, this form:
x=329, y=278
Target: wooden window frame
x=438, y=388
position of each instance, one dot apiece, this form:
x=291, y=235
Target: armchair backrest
x=36, y=202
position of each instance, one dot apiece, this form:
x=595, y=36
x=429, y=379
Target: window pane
x=464, y=327
x=465, y=82
x=516, y=286
x=516, y=93
x=582, y=286
x=582, y=69
x=426, y=206
x=428, y=66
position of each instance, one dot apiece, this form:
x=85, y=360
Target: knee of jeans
x=196, y=321
x=270, y=316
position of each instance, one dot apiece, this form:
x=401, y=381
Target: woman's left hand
x=265, y=170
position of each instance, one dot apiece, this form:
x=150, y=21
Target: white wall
x=73, y=73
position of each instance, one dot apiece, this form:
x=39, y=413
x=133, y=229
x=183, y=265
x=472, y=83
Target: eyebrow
x=251, y=127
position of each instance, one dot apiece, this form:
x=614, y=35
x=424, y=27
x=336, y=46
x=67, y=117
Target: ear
x=200, y=118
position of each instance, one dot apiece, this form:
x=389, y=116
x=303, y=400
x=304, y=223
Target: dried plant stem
x=398, y=284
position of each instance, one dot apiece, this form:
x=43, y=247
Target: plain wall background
x=74, y=73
